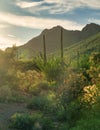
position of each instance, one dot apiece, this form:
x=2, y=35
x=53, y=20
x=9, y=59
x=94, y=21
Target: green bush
x=69, y=97
x=38, y=103
x=88, y=124
x=28, y=79
x=63, y=126
x=25, y=121
x=31, y=122
x=40, y=88
x=47, y=124
x=9, y=95
x=17, y=97
x=5, y=93
x=69, y=113
x=22, y=122
x=54, y=70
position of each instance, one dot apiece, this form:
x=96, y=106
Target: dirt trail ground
x=7, y=110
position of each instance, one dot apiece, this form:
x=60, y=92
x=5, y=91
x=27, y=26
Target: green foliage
x=28, y=79
x=38, y=103
x=38, y=62
x=85, y=47
x=5, y=93
x=88, y=123
x=90, y=119
x=95, y=59
x=63, y=95
x=17, y=97
x=25, y=121
x=69, y=96
x=31, y=122
x=40, y=88
x=22, y=122
x=84, y=61
x=54, y=70
x=47, y=124
x=63, y=126
x=9, y=95
x=94, y=70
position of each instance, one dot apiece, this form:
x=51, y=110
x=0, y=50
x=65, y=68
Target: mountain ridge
x=53, y=38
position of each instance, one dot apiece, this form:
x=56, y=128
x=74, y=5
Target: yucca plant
x=54, y=70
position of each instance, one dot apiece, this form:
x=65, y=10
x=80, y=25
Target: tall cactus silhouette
x=78, y=58
x=44, y=50
x=62, y=53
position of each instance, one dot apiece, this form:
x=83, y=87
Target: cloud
x=12, y=36
x=69, y=5
x=25, y=4
x=6, y=41
x=58, y=6
x=2, y=26
x=91, y=3
x=37, y=23
x=52, y=1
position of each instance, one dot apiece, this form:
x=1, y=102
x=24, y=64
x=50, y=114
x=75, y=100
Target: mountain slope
x=53, y=39
x=87, y=46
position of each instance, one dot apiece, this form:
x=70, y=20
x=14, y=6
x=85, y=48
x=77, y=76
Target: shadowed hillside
x=53, y=39
x=87, y=46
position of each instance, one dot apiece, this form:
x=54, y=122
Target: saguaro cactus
x=44, y=50
x=78, y=58
x=62, y=54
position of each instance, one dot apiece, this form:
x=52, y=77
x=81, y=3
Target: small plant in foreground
x=25, y=121
x=38, y=103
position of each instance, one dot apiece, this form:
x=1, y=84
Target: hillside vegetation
x=89, y=45
x=53, y=38
x=61, y=93
x=83, y=48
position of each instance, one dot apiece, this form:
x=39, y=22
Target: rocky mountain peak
x=91, y=27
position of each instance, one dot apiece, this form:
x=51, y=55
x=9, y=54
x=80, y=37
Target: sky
x=21, y=20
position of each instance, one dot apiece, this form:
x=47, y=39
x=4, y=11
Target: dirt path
x=7, y=110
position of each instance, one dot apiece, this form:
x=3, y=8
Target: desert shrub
x=25, y=121
x=44, y=85
x=84, y=61
x=94, y=69
x=40, y=88
x=69, y=98
x=72, y=88
x=47, y=124
x=90, y=123
x=91, y=93
x=28, y=78
x=69, y=113
x=95, y=58
x=54, y=70
x=9, y=95
x=35, y=121
x=25, y=65
x=22, y=121
x=31, y=122
x=38, y=103
x=18, y=97
x=38, y=62
x=5, y=93
x=63, y=126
